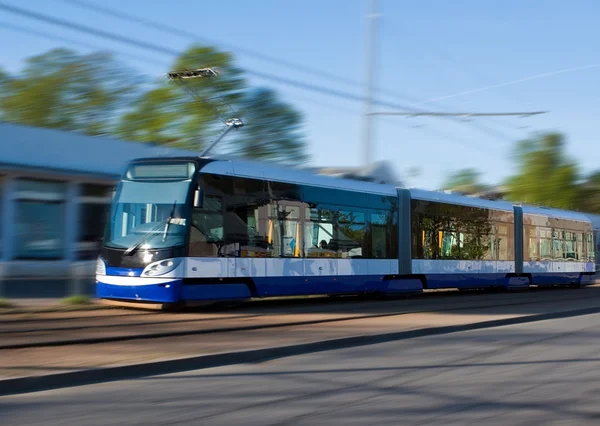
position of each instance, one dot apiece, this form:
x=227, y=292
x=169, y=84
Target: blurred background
x=505, y=95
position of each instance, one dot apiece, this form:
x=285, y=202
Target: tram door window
x=253, y=235
x=336, y=232
x=557, y=245
x=531, y=242
x=579, y=243
x=545, y=244
x=534, y=249
x=351, y=233
x=502, y=242
x=591, y=254
x=319, y=233
x=206, y=234
x=596, y=244
x=570, y=249
x=285, y=230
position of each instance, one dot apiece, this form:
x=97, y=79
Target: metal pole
x=231, y=124
x=370, y=58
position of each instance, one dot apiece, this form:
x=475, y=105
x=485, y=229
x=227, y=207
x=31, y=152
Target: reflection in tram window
x=272, y=219
x=444, y=231
x=379, y=234
x=557, y=239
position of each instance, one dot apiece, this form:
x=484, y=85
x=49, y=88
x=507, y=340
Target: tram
x=203, y=230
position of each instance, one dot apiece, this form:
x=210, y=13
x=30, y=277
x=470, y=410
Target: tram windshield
x=148, y=215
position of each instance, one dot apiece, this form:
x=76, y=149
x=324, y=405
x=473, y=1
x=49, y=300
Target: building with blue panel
x=55, y=188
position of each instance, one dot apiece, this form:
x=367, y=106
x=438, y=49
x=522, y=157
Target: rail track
x=123, y=326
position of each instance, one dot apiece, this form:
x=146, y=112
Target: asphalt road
x=546, y=372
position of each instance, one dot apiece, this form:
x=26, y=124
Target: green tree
x=188, y=114
x=465, y=181
x=590, y=194
x=272, y=129
x=95, y=95
x=185, y=114
x=63, y=90
x=545, y=175
x=153, y=119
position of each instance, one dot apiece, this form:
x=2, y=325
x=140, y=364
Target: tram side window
x=379, y=233
x=447, y=231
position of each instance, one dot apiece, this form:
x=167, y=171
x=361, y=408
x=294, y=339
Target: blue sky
x=428, y=49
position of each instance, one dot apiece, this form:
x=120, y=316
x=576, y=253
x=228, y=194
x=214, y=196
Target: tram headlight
x=161, y=267
x=100, y=267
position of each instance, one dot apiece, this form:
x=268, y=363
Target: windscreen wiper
x=169, y=221
x=150, y=233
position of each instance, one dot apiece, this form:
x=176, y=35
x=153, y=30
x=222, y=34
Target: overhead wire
x=152, y=60
x=470, y=73
x=513, y=82
x=295, y=66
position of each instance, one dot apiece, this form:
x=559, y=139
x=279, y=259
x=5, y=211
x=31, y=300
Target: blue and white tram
x=192, y=229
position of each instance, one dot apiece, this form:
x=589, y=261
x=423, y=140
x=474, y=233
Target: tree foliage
x=466, y=181
x=545, y=175
x=63, y=90
x=186, y=114
x=95, y=95
x=589, y=194
x=273, y=130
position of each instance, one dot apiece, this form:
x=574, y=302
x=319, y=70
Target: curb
x=110, y=374
x=50, y=309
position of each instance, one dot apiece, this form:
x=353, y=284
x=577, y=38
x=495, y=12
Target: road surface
x=547, y=372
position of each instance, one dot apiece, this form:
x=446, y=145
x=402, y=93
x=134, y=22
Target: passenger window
x=379, y=233
x=335, y=233
x=351, y=234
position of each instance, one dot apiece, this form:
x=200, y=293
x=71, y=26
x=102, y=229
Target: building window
x=40, y=219
x=2, y=195
x=94, y=204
